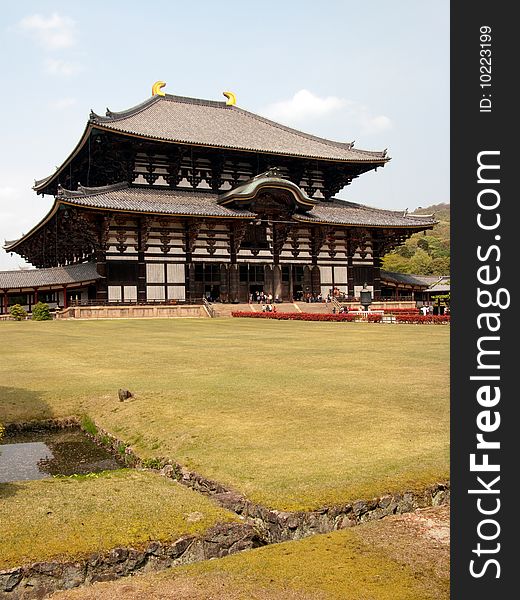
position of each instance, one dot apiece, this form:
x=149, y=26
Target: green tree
x=421, y=263
x=424, y=244
x=17, y=312
x=41, y=312
x=395, y=262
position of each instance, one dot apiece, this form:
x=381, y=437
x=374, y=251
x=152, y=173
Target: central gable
x=268, y=193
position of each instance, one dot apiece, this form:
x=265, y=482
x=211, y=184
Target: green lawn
x=397, y=558
x=295, y=415
x=76, y=516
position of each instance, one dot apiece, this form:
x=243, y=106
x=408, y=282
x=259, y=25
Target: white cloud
x=60, y=67
x=63, y=103
x=303, y=105
x=52, y=32
x=371, y=125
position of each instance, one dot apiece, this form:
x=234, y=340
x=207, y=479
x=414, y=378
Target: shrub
x=437, y=319
x=374, y=318
x=17, y=312
x=88, y=425
x=41, y=312
x=344, y=317
x=297, y=316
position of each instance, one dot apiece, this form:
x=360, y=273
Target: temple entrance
x=251, y=279
x=212, y=292
x=254, y=288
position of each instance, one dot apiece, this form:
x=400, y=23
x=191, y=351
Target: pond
x=41, y=454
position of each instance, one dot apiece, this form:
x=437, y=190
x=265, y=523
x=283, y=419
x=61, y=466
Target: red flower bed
x=347, y=317
x=437, y=319
x=401, y=311
x=279, y=316
x=374, y=318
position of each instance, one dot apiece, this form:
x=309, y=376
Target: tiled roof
x=152, y=200
x=178, y=202
x=405, y=278
x=209, y=123
x=431, y=283
x=342, y=212
x=148, y=200
x=28, y=278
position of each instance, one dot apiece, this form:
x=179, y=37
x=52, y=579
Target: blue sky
x=374, y=72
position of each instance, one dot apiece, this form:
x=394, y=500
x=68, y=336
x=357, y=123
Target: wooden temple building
x=177, y=199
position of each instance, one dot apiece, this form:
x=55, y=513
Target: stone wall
x=41, y=579
x=144, y=311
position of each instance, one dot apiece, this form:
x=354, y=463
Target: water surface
x=42, y=454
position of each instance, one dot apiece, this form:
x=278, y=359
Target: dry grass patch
x=393, y=559
x=69, y=517
x=295, y=415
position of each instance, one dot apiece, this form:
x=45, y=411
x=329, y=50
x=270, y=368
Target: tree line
x=425, y=253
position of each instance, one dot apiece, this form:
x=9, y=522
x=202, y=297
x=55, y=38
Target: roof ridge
x=316, y=138
x=123, y=114
x=83, y=190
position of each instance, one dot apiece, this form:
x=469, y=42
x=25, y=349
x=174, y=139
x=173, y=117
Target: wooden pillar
x=350, y=276
x=224, y=283
x=101, y=284
x=377, y=275
x=141, y=264
x=36, y=295
x=233, y=283
x=307, y=281
x=5, y=302
x=65, y=296
x=190, y=281
x=277, y=281
x=315, y=280
x=268, y=280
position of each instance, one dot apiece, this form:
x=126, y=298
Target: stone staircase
x=225, y=310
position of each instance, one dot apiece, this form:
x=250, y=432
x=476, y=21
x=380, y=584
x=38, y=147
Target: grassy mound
x=74, y=516
x=399, y=558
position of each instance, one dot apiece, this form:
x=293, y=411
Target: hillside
x=426, y=253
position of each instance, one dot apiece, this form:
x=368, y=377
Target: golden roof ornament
x=231, y=98
x=157, y=88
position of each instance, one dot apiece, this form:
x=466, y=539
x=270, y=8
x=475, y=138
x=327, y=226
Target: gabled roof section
x=30, y=278
x=342, y=212
x=122, y=197
x=430, y=283
x=215, y=124
x=273, y=180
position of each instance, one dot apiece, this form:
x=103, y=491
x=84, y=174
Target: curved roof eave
x=11, y=246
x=41, y=183
x=378, y=161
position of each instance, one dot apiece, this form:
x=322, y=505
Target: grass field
x=79, y=515
x=294, y=415
x=399, y=558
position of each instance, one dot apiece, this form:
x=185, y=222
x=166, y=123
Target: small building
x=178, y=198
x=433, y=290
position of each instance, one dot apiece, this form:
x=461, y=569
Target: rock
x=124, y=394
x=168, y=471
x=10, y=579
x=359, y=507
x=73, y=575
